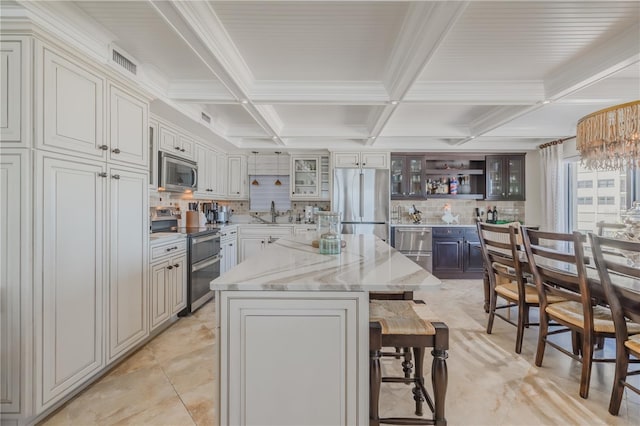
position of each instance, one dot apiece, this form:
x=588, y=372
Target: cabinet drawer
x=261, y=231
x=471, y=234
x=448, y=232
x=167, y=249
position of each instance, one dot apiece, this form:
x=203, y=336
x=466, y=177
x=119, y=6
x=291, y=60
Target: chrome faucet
x=274, y=214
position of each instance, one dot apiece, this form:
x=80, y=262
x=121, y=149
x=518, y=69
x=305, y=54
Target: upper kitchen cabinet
x=71, y=106
x=237, y=177
x=173, y=142
x=73, y=113
x=310, y=177
x=365, y=160
x=128, y=128
x=153, y=154
x=15, y=92
x=505, y=177
x=455, y=176
x=407, y=177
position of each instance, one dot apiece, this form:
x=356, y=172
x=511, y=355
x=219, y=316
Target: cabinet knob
x=115, y=176
x=116, y=151
x=169, y=267
x=177, y=147
x=182, y=150
x=364, y=164
x=357, y=164
x=238, y=192
x=177, y=265
x=103, y=147
x=103, y=174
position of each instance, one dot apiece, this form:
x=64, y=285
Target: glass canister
x=329, y=232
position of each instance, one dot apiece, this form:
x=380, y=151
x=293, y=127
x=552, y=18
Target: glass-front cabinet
x=505, y=176
x=305, y=173
x=407, y=177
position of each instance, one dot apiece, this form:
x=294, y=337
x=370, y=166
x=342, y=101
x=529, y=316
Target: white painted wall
x=533, y=178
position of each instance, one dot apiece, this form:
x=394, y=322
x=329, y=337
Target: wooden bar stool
x=396, y=323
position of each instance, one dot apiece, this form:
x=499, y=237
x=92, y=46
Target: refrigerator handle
x=361, y=195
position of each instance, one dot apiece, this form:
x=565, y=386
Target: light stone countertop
x=434, y=225
x=366, y=264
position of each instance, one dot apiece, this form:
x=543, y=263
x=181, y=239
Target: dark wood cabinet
x=505, y=177
x=456, y=253
x=407, y=177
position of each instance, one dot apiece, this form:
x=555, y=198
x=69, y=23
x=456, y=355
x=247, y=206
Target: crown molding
x=201, y=91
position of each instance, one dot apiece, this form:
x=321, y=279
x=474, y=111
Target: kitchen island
x=293, y=328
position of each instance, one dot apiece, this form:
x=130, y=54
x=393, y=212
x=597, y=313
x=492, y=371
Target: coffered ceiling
x=397, y=75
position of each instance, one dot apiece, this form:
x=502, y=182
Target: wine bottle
x=495, y=214
x=489, y=215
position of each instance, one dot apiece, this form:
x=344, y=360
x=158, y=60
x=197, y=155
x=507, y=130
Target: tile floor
x=170, y=380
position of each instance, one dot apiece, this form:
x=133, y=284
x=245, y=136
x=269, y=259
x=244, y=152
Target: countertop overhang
x=366, y=264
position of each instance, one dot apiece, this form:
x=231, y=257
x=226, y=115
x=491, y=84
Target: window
x=603, y=201
x=588, y=203
x=607, y=183
x=584, y=201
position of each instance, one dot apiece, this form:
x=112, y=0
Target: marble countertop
x=366, y=264
x=433, y=225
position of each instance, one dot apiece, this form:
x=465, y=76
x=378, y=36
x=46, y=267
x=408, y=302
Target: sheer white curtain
x=553, y=187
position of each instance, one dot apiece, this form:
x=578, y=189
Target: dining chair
x=613, y=270
x=503, y=261
x=605, y=229
x=558, y=265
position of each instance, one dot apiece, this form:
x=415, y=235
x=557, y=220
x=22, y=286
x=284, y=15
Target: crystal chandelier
x=609, y=139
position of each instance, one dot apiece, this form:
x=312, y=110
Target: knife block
x=193, y=219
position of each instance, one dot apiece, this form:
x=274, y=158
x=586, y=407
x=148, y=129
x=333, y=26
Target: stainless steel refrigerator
x=362, y=198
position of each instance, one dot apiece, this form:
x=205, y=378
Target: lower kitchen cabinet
x=252, y=239
x=456, y=252
x=228, y=248
x=168, y=282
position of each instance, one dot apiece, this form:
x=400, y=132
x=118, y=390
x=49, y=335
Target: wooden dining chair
x=613, y=270
x=503, y=261
x=558, y=265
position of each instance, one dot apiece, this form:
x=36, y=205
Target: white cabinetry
x=254, y=238
x=15, y=91
x=212, y=170
x=128, y=298
x=365, y=160
x=168, y=280
x=128, y=128
x=220, y=189
x=70, y=273
x=305, y=177
x=72, y=107
x=174, y=143
x=330, y=333
x=237, y=175
x=154, y=127
x=15, y=284
x=228, y=248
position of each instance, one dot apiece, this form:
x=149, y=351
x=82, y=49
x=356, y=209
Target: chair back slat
x=501, y=257
x=611, y=258
x=557, y=262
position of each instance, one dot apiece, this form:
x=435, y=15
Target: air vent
x=206, y=118
x=124, y=62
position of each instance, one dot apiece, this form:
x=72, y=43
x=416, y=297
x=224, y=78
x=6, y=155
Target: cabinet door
x=495, y=177
x=251, y=246
x=414, y=177
x=346, y=159
x=128, y=259
x=153, y=154
x=160, y=293
x=374, y=160
x=447, y=255
x=69, y=274
x=13, y=263
x=305, y=177
x=169, y=140
x=73, y=107
x=203, y=158
x=237, y=175
x=220, y=168
x=398, y=177
x=473, y=261
x=187, y=147
x=178, y=284
x=128, y=119
x=11, y=100
x=515, y=177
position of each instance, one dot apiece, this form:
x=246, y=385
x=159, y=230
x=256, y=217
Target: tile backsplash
x=433, y=209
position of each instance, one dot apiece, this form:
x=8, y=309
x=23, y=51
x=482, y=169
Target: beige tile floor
x=170, y=380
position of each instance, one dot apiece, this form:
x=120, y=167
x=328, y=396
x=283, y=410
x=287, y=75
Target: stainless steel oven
x=415, y=242
x=203, y=256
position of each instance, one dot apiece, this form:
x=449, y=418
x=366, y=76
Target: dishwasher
x=415, y=243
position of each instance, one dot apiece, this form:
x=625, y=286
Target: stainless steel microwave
x=177, y=174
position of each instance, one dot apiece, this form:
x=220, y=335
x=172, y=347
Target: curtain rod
x=556, y=142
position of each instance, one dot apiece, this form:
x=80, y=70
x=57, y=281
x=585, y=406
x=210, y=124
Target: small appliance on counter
x=210, y=211
x=224, y=214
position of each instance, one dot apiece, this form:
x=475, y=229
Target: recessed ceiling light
x=373, y=137
x=275, y=138
x=546, y=102
x=244, y=101
x=472, y=137
x=394, y=102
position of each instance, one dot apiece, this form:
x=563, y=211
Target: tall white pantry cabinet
x=81, y=184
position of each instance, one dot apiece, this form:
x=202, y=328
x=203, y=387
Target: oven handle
x=205, y=239
x=205, y=263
